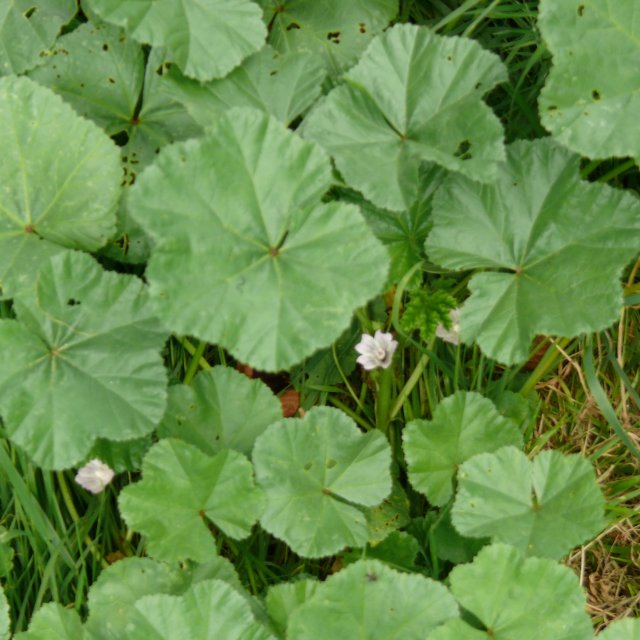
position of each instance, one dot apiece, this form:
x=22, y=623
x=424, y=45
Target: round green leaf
x=113, y=595
x=335, y=31
x=463, y=425
x=318, y=472
x=27, y=29
x=206, y=39
x=238, y=226
x=81, y=362
x=508, y=594
x=414, y=96
x=590, y=103
x=61, y=181
x=222, y=409
x=370, y=600
x=54, y=622
x=181, y=491
x=551, y=247
x=208, y=610
x=284, y=85
x=544, y=508
x=626, y=629
x=284, y=598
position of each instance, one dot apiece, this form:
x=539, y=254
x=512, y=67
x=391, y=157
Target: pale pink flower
x=376, y=351
x=450, y=335
x=94, y=476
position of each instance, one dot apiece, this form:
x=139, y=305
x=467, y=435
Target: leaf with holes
x=239, y=225
x=589, y=104
x=27, y=29
x=209, y=609
x=506, y=593
x=370, y=600
x=109, y=90
x=543, y=508
x=335, y=31
x=282, y=84
x=124, y=98
x=318, y=474
x=81, y=362
x=206, y=39
x=550, y=246
x=221, y=409
x=463, y=425
x=413, y=97
x=183, y=490
x=60, y=178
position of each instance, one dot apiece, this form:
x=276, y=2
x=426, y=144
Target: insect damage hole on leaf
x=29, y=12
x=121, y=138
x=464, y=150
x=334, y=36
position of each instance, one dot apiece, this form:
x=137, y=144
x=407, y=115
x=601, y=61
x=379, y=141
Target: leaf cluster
x=253, y=175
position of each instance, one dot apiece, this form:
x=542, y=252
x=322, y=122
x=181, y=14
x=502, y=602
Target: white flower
x=376, y=351
x=450, y=335
x=94, y=476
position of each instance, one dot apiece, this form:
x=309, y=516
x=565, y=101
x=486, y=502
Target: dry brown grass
x=570, y=420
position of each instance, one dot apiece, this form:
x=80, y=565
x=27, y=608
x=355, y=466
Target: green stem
x=383, y=400
x=344, y=379
x=409, y=385
x=547, y=362
x=71, y=508
x=196, y=359
x=343, y=407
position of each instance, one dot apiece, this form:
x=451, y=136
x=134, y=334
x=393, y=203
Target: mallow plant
x=315, y=189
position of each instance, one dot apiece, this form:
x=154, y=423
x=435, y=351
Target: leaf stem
x=409, y=385
x=383, y=400
x=71, y=508
x=351, y=413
